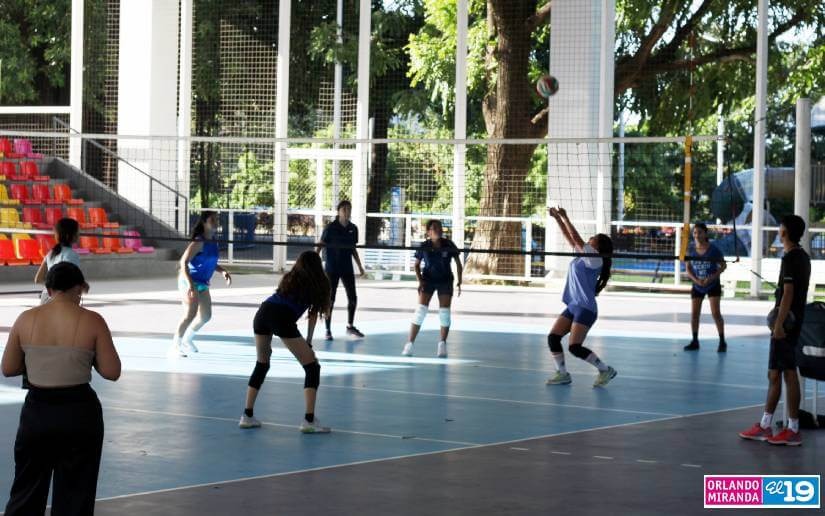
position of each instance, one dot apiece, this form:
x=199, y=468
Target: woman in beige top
x=61, y=423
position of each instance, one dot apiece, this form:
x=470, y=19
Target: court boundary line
x=422, y=454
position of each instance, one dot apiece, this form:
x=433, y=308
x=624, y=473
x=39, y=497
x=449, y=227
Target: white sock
x=559, y=358
x=793, y=424
x=188, y=335
x=593, y=360
x=767, y=417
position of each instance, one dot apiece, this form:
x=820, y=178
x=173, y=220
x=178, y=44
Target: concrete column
x=802, y=168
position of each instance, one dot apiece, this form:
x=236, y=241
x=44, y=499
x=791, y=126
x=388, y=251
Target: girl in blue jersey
x=586, y=277
x=705, y=278
x=303, y=289
x=433, y=268
x=198, y=263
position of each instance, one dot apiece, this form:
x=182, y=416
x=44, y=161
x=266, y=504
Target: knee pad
x=444, y=317
x=579, y=351
x=313, y=375
x=554, y=341
x=258, y=375
x=419, y=315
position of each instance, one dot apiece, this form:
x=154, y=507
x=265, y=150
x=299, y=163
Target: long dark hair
x=307, y=283
x=199, y=229
x=604, y=246
x=65, y=231
x=703, y=227
x=64, y=276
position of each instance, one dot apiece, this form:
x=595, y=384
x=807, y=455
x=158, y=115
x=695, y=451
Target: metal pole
x=460, y=127
x=76, y=82
x=759, y=146
x=338, y=89
x=802, y=167
x=184, y=96
x=359, y=174
x=620, y=186
x=281, y=173
x=320, y=166
x=720, y=149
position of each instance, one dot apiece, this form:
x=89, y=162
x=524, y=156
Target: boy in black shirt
x=791, y=295
x=339, y=240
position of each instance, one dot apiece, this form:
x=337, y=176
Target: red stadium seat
x=8, y=169
x=79, y=214
x=30, y=171
x=21, y=193
x=34, y=216
x=29, y=250
x=111, y=241
x=6, y=149
x=98, y=217
x=7, y=254
x=41, y=193
x=47, y=242
x=53, y=214
x=91, y=243
x=63, y=194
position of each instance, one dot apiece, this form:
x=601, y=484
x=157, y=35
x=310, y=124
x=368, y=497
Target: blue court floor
x=172, y=423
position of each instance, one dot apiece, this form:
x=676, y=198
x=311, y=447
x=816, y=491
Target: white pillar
x=460, y=130
x=337, y=93
x=720, y=149
x=76, y=82
x=361, y=162
x=757, y=238
x=147, y=102
x=320, y=166
x=802, y=167
x=281, y=175
x=620, y=180
x=607, y=45
x=184, y=107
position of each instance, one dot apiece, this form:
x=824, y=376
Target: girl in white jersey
x=586, y=277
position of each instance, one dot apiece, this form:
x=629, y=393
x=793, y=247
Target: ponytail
x=199, y=229
x=65, y=232
x=605, y=246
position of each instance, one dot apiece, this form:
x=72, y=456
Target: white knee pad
x=444, y=316
x=419, y=315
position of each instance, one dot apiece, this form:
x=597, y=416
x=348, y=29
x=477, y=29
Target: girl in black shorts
x=304, y=288
x=433, y=269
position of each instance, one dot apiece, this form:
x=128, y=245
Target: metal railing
x=181, y=201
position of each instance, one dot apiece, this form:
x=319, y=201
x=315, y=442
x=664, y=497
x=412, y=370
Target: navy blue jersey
x=337, y=259
x=704, y=269
x=795, y=270
x=279, y=299
x=435, y=261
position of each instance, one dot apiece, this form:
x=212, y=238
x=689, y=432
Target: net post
x=76, y=82
x=759, y=144
x=687, y=194
x=280, y=187
x=361, y=163
x=184, y=102
x=230, y=249
x=802, y=164
x=460, y=129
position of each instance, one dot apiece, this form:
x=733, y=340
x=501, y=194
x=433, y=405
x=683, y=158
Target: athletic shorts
x=580, y=315
x=444, y=288
x=715, y=291
x=276, y=319
x=783, y=353
x=183, y=285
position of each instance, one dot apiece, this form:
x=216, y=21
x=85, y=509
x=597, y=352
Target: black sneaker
x=693, y=346
x=723, y=347
x=328, y=336
x=353, y=332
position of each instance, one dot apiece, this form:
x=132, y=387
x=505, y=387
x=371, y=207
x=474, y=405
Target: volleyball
x=547, y=86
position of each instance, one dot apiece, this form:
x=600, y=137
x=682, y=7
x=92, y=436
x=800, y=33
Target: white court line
x=281, y=425
x=422, y=454
x=482, y=398
x=561, y=453
x=690, y=465
x=602, y=457
x=645, y=461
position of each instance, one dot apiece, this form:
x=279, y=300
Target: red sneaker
x=786, y=437
x=756, y=433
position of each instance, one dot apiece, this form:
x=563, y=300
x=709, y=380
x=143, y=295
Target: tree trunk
x=507, y=115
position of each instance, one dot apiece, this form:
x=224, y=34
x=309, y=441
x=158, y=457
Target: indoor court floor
x=476, y=433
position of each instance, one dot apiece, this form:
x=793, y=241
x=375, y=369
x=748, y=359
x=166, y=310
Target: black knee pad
x=579, y=351
x=554, y=341
x=313, y=375
x=258, y=375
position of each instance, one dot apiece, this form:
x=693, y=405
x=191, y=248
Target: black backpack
x=810, y=352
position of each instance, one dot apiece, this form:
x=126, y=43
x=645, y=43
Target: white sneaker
x=442, y=349
x=176, y=350
x=314, y=428
x=408, y=349
x=189, y=342
x=249, y=422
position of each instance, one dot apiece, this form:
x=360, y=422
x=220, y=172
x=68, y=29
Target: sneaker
x=693, y=346
x=249, y=422
x=723, y=347
x=605, y=377
x=353, y=333
x=559, y=379
x=756, y=433
x=442, y=350
x=177, y=349
x=190, y=345
x=408, y=349
x=328, y=335
x=786, y=437
x=314, y=427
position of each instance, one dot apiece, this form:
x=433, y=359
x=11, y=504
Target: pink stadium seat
x=132, y=240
